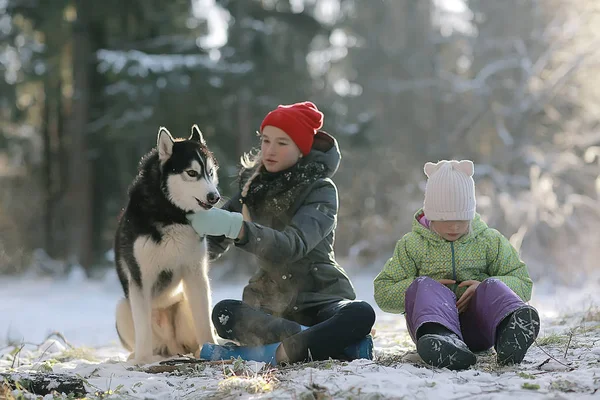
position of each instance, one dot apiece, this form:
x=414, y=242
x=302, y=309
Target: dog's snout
x=213, y=198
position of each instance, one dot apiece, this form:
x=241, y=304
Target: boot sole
x=519, y=334
x=442, y=353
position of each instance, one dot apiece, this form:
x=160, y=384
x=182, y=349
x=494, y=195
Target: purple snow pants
x=427, y=300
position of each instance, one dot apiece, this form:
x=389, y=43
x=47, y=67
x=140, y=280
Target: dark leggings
x=333, y=327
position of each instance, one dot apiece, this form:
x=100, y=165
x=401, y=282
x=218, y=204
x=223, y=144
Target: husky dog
x=161, y=261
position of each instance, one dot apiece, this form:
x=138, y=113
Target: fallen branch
x=43, y=384
x=181, y=364
x=546, y=361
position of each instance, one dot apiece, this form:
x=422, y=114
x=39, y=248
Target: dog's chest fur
x=179, y=250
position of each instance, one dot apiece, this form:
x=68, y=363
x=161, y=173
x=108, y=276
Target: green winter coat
x=481, y=254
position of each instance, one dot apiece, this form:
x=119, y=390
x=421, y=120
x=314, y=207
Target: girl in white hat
x=460, y=283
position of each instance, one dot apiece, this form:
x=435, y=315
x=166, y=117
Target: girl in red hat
x=300, y=304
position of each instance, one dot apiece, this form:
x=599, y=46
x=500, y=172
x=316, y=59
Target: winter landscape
x=84, y=87
x=67, y=327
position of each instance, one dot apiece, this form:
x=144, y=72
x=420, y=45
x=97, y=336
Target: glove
x=216, y=222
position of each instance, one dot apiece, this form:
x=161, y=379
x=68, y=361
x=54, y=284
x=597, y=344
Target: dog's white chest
x=179, y=246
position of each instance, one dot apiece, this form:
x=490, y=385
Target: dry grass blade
x=568, y=343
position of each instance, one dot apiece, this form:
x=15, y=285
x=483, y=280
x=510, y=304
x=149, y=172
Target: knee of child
x=420, y=280
x=222, y=311
x=426, y=281
x=490, y=281
x=364, y=314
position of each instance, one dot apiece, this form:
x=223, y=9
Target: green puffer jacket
x=483, y=253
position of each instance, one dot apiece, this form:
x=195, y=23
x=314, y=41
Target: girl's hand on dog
x=463, y=302
x=216, y=222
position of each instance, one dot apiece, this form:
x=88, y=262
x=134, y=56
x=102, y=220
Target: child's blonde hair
x=250, y=160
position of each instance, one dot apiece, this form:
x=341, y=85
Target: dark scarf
x=273, y=193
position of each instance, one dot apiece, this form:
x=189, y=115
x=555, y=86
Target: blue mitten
x=216, y=222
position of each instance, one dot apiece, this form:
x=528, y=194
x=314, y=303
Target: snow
x=142, y=64
x=565, y=365
x=217, y=19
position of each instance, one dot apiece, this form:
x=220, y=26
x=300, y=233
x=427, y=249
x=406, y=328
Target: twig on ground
x=177, y=361
x=546, y=361
x=551, y=357
x=568, y=343
x=171, y=366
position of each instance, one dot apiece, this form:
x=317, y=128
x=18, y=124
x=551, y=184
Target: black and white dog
x=161, y=261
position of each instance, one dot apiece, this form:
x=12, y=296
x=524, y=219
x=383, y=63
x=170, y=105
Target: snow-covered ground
x=565, y=363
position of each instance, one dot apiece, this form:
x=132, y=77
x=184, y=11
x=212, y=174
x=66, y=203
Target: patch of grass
x=316, y=392
x=592, y=314
x=525, y=375
x=404, y=341
x=238, y=367
x=530, y=386
x=591, y=328
x=253, y=385
x=563, y=385
x=240, y=377
x=391, y=358
x=356, y=393
x=324, y=365
x=552, y=339
x=106, y=394
x=328, y=365
x=77, y=353
x=47, y=366
x=486, y=362
x=135, y=386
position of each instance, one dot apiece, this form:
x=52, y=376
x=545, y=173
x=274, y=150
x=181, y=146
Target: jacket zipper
x=455, y=286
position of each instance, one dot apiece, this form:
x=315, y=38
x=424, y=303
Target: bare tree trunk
x=60, y=233
x=47, y=170
x=79, y=189
x=54, y=234
x=244, y=119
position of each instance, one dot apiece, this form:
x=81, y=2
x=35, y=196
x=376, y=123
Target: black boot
x=515, y=334
x=440, y=347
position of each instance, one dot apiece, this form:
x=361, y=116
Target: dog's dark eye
x=211, y=173
x=192, y=173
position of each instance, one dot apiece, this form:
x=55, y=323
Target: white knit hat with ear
x=450, y=191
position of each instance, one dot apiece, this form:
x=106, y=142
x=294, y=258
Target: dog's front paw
x=133, y=360
x=197, y=352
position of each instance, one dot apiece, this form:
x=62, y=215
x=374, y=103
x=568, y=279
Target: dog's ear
x=197, y=135
x=164, y=143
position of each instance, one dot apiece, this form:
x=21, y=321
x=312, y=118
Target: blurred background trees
x=512, y=85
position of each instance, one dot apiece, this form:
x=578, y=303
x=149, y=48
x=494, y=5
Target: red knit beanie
x=300, y=121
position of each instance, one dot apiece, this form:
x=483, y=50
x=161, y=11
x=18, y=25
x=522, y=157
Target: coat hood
x=325, y=150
